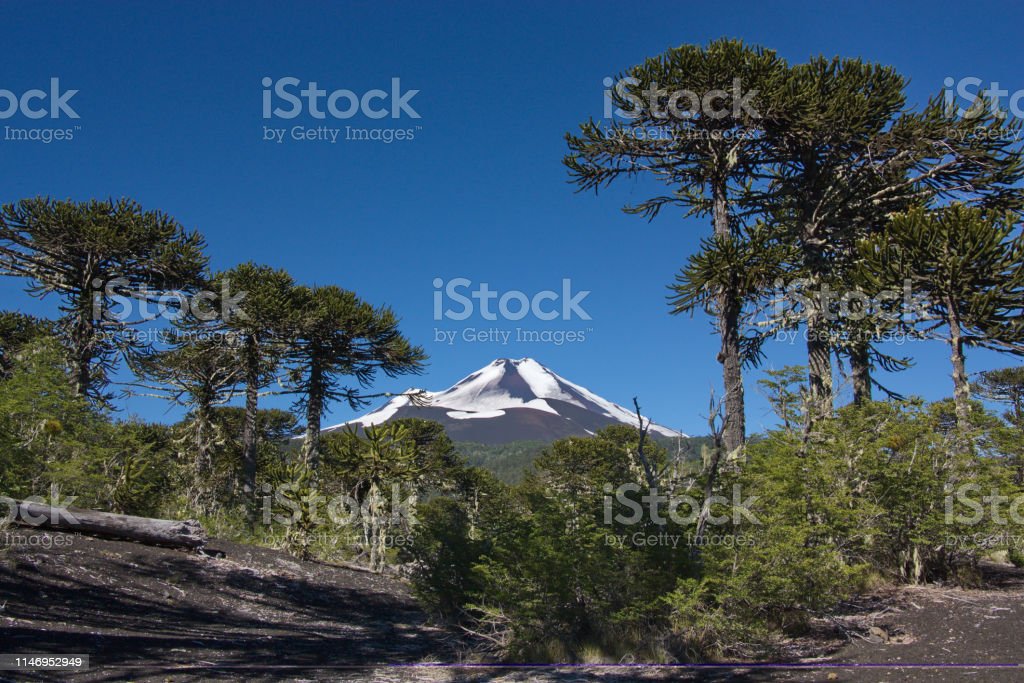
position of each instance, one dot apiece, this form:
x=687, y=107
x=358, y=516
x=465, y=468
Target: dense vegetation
x=538, y=571
x=511, y=462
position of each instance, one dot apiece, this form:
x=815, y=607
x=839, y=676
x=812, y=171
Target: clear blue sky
x=170, y=114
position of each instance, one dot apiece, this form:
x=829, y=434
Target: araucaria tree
x=267, y=298
x=200, y=374
x=835, y=110
x=847, y=155
x=100, y=258
x=694, y=120
x=1006, y=386
x=336, y=335
x=968, y=265
x=736, y=270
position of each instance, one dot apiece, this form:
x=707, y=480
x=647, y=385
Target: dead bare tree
x=716, y=425
x=652, y=477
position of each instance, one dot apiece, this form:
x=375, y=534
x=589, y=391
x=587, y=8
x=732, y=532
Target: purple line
x=726, y=665
x=428, y=665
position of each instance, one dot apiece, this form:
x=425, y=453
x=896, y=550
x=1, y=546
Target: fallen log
x=163, y=532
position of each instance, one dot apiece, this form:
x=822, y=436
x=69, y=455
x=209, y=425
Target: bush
x=443, y=553
x=530, y=567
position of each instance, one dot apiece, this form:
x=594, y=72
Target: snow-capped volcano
x=511, y=400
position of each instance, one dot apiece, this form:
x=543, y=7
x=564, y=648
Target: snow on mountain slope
x=511, y=400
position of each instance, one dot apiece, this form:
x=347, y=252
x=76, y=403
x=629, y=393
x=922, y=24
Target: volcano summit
x=510, y=400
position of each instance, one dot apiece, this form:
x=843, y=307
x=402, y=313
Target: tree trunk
x=82, y=375
x=819, y=365
x=1018, y=421
x=164, y=532
x=734, y=432
x=728, y=323
x=860, y=369
x=88, y=314
x=203, y=466
x=819, y=345
x=961, y=386
x=314, y=412
x=81, y=347
x=251, y=359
